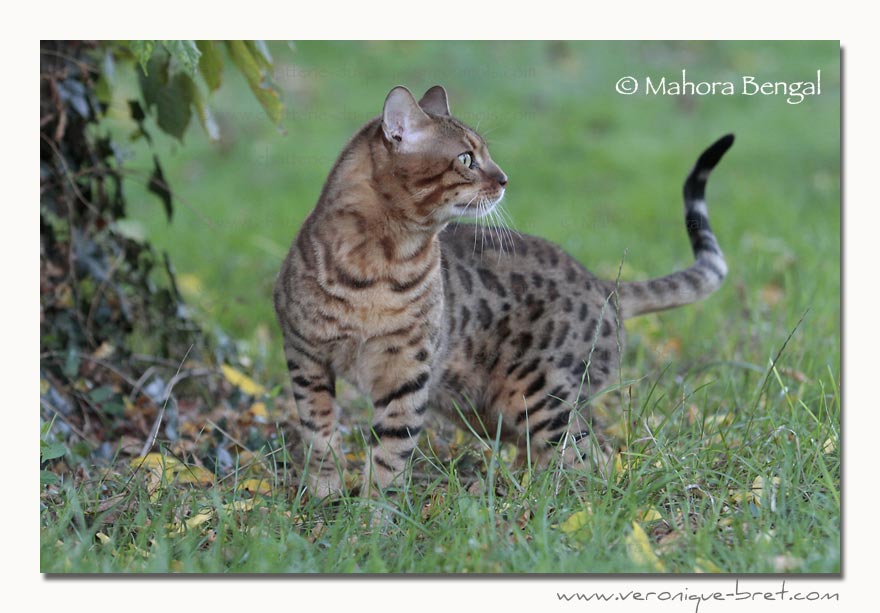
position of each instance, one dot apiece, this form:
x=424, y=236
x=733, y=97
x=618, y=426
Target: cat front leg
x=315, y=394
x=400, y=403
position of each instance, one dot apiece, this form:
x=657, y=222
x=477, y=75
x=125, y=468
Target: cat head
x=444, y=165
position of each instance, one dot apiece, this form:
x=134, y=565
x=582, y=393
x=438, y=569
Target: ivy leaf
x=203, y=111
x=143, y=51
x=154, y=78
x=51, y=451
x=170, y=95
x=100, y=394
x=210, y=63
x=173, y=106
x=48, y=478
x=257, y=79
x=185, y=53
x=157, y=185
x=260, y=51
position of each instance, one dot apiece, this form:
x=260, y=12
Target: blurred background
x=598, y=172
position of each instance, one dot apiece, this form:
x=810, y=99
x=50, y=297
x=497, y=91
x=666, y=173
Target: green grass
x=600, y=174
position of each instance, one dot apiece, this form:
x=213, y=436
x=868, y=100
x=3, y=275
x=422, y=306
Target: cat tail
x=709, y=270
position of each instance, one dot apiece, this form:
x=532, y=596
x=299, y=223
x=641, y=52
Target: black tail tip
x=711, y=156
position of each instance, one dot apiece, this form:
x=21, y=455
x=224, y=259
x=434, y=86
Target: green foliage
x=728, y=462
x=168, y=80
x=211, y=63
x=109, y=302
x=254, y=62
x=184, y=52
x=143, y=51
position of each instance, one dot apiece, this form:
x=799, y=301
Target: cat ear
x=434, y=101
x=402, y=119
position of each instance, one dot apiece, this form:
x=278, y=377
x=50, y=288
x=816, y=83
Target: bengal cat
x=380, y=290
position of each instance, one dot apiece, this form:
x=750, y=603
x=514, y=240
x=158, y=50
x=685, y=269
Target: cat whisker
x=497, y=228
x=508, y=219
x=482, y=222
x=506, y=222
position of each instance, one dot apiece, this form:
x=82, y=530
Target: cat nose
x=501, y=178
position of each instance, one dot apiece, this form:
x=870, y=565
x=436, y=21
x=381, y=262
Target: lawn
x=729, y=419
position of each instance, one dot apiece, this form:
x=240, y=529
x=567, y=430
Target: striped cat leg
x=400, y=405
x=554, y=433
x=314, y=393
x=581, y=444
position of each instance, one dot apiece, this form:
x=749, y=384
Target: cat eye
x=467, y=159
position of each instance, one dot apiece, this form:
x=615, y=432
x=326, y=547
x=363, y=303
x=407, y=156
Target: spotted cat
x=380, y=288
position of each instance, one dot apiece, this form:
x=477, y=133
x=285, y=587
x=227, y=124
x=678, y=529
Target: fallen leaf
x=577, y=521
x=258, y=412
x=256, y=486
x=761, y=494
x=829, y=446
x=639, y=547
x=239, y=505
x=242, y=381
x=651, y=514
x=199, y=518
x=195, y=474
x=155, y=461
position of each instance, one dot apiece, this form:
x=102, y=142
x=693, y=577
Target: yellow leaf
x=256, y=486
x=258, y=411
x=239, y=505
x=242, y=381
x=577, y=521
x=195, y=474
x=639, y=547
x=105, y=540
x=760, y=493
x=199, y=518
x=829, y=446
x=156, y=461
x=757, y=490
x=706, y=566
x=651, y=514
